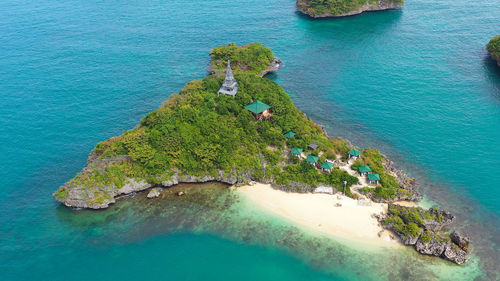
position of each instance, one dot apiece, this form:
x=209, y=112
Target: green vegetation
x=251, y=59
x=426, y=236
x=336, y=7
x=61, y=193
x=411, y=221
x=407, y=221
x=388, y=187
x=200, y=133
x=493, y=47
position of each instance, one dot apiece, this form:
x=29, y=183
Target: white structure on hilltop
x=230, y=86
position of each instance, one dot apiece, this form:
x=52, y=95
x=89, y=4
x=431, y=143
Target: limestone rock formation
x=327, y=8
x=154, y=193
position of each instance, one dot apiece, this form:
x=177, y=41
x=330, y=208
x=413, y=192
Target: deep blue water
x=416, y=83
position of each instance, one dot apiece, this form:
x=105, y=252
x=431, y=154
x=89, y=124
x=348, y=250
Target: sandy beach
x=335, y=215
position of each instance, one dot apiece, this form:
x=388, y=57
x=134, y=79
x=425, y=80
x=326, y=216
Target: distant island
x=342, y=8
x=493, y=48
x=236, y=127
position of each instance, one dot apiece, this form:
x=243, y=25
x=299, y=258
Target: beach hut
x=373, y=179
x=290, y=135
x=313, y=146
x=364, y=170
x=312, y=159
x=296, y=151
x=354, y=153
x=259, y=109
x=327, y=166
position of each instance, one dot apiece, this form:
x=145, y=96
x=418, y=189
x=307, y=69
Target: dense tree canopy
x=251, y=59
x=198, y=132
x=494, y=46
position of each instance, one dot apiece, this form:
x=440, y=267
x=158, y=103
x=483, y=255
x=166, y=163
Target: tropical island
x=493, y=48
x=239, y=128
x=342, y=8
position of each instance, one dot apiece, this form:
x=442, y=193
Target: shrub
x=61, y=193
x=494, y=46
x=252, y=58
x=412, y=229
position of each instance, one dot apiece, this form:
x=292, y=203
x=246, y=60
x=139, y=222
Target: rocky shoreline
x=426, y=231
x=78, y=197
x=304, y=6
x=275, y=65
x=110, y=174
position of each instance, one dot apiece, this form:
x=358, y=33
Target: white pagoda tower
x=230, y=86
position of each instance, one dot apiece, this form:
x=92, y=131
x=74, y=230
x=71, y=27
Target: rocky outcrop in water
x=102, y=196
x=275, y=65
x=493, y=48
x=425, y=231
x=154, y=193
x=325, y=8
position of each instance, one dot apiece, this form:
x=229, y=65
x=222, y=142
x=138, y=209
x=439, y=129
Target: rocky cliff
x=77, y=195
x=342, y=8
x=426, y=231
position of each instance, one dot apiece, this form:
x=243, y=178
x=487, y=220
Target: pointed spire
x=229, y=86
x=229, y=72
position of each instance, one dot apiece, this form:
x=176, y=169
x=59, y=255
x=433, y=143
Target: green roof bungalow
x=327, y=166
x=313, y=146
x=354, y=153
x=312, y=159
x=364, y=170
x=296, y=151
x=290, y=135
x=259, y=109
x=373, y=179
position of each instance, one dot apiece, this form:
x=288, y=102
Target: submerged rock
x=155, y=192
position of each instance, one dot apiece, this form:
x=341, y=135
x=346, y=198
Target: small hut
x=354, y=154
x=373, y=179
x=259, y=109
x=313, y=146
x=327, y=166
x=296, y=151
x=364, y=170
x=290, y=135
x=311, y=159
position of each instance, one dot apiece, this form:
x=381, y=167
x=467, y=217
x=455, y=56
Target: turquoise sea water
x=416, y=83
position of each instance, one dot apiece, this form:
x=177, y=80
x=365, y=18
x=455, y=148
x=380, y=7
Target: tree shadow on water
x=373, y=22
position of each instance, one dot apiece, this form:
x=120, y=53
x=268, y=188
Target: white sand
x=407, y=203
x=318, y=212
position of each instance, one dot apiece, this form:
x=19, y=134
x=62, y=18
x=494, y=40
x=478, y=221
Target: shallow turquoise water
x=415, y=83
